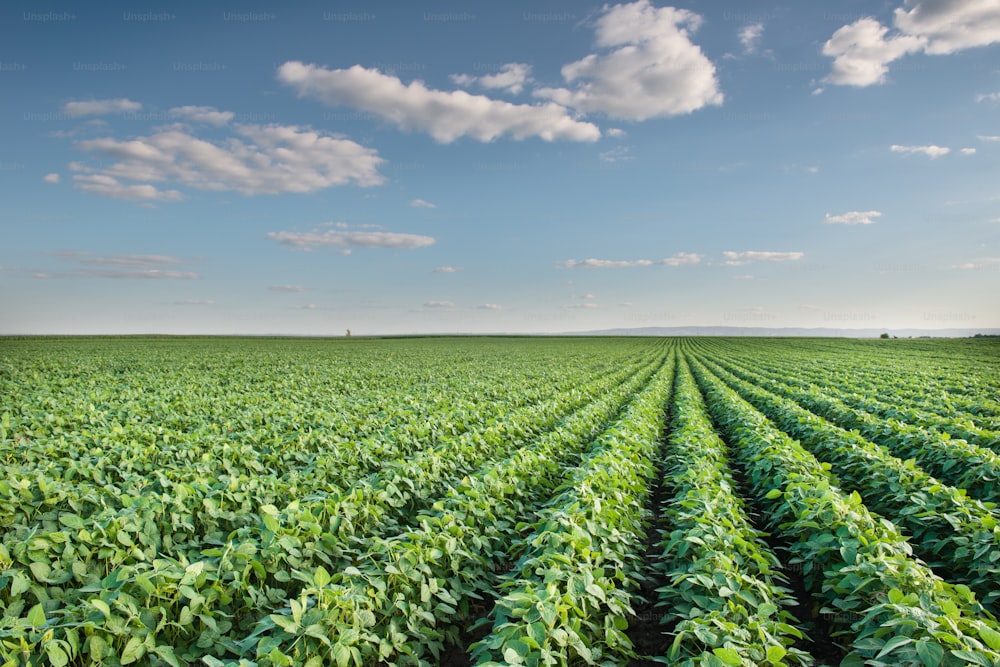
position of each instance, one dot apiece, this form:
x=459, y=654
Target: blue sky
x=307, y=168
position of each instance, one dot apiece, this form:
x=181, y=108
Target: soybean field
x=499, y=501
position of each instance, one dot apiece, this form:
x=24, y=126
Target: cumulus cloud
x=207, y=115
x=100, y=107
x=583, y=306
x=447, y=269
x=740, y=258
x=511, y=77
x=260, y=159
x=988, y=97
x=420, y=203
x=51, y=178
x=750, y=36
x=863, y=50
x=853, y=218
x=445, y=115
x=439, y=304
x=347, y=239
x=988, y=138
x=967, y=151
x=931, y=151
x=490, y=306
x=288, y=288
x=650, y=67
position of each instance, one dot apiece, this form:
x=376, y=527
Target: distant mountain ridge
x=797, y=332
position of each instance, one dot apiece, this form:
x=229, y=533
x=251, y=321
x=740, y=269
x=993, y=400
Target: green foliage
x=265, y=502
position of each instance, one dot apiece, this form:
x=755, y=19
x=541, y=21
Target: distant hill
x=819, y=332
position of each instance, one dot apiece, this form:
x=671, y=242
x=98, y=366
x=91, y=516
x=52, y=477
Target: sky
x=523, y=167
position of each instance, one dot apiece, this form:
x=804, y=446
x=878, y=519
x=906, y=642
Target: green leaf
x=975, y=657
x=19, y=584
x=321, y=577
x=931, y=654
x=57, y=656
x=166, y=653
x=990, y=636
x=134, y=650
x=728, y=656
x=775, y=654
x=342, y=654
x=894, y=642
x=771, y=495
x=512, y=657
x=71, y=521
x=36, y=617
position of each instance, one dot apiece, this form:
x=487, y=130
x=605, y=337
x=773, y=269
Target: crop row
x=891, y=607
x=201, y=604
x=898, y=398
x=958, y=535
x=724, y=595
x=568, y=597
x=956, y=462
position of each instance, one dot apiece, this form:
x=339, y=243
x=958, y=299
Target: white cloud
x=862, y=50
x=862, y=53
x=950, y=25
x=967, y=151
x=592, y=263
x=208, y=115
x=350, y=239
x=616, y=154
x=681, y=259
x=287, y=288
x=740, y=258
x=127, y=267
x=262, y=159
x=131, y=261
x=100, y=107
x=931, y=151
x=490, y=306
x=982, y=263
x=853, y=218
x=616, y=132
x=588, y=296
x=988, y=97
x=750, y=36
x=153, y=274
x=510, y=77
x=445, y=115
x=194, y=302
x=583, y=306
x=108, y=186
x=652, y=68
x=51, y=178
x=988, y=138
x=439, y=304
x=420, y=203
x=447, y=269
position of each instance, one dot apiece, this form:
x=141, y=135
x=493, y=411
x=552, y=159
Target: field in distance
x=499, y=501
